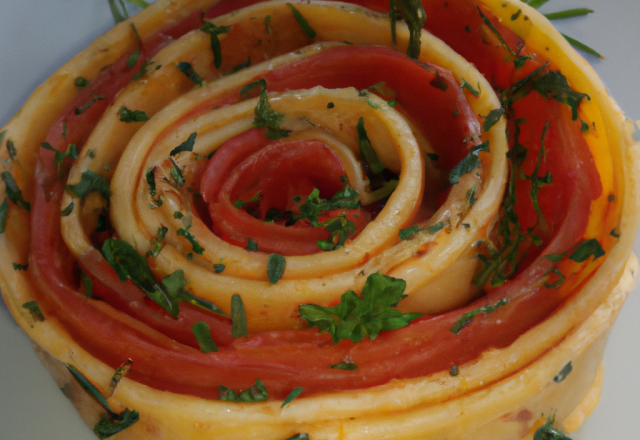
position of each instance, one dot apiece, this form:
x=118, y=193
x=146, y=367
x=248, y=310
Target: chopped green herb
x=492, y=118
x=469, y=163
x=266, y=117
x=584, y=127
x=190, y=73
x=516, y=15
x=367, y=153
x=535, y=4
x=66, y=211
x=219, y=268
x=468, y=317
x=102, y=223
x=587, y=249
x=84, y=107
x=4, y=214
x=563, y=373
x=11, y=149
x=538, y=182
x=554, y=85
x=471, y=195
x=214, y=31
x=267, y=20
x=356, y=317
x=614, y=233
x=151, y=181
x=21, y=267
x=409, y=232
x=121, y=372
x=13, y=191
x=456, y=113
x=129, y=264
x=34, y=309
x=91, y=154
x=118, y=16
x=557, y=283
x=255, y=393
x=569, y=13
x=87, y=283
x=144, y=70
x=275, y=267
x=186, y=145
x=176, y=173
x=393, y=18
x=331, y=105
x=156, y=242
x=495, y=32
x=347, y=366
x=392, y=103
x=414, y=15
x=195, y=246
x=611, y=198
x=251, y=245
x=111, y=423
x=300, y=436
x=59, y=156
x=81, y=83
x=292, y=395
x=546, y=432
x=454, y=371
x=469, y=87
x=90, y=182
x=241, y=204
x=304, y=24
x=238, y=317
x=433, y=156
x=134, y=57
x=202, y=332
x=518, y=62
x=129, y=116
x=241, y=66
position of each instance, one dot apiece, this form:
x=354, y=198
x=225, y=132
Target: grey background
x=37, y=37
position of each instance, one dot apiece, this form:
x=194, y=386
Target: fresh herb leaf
x=304, y=24
x=90, y=182
x=81, y=82
x=186, y=145
x=129, y=264
x=120, y=372
x=469, y=87
x=118, y=16
x=219, y=268
x=492, y=118
x=4, y=214
x=495, y=32
x=267, y=20
x=144, y=70
x=266, y=117
x=554, y=85
x=109, y=426
x=251, y=245
x=292, y=395
x=516, y=15
x=238, y=317
x=367, y=152
x=129, y=116
x=557, y=283
x=356, y=317
x=190, y=73
x=214, y=31
x=11, y=149
x=195, y=246
x=34, y=309
x=66, y=211
x=134, y=57
x=614, y=233
x=13, y=191
x=583, y=47
x=414, y=15
x=156, y=242
x=84, y=107
x=433, y=156
x=255, y=393
x=202, y=332
x=546, y=432
x=59, y=156
x=535, y=4
x=587, y=249
x=151, y=181
x=275, y=267
x=538, y=182
x=347, y=366
x=569, y=13
x=20, y=267
x=87, y=283
x=563, y=373
x=468, y=317
x=409, y=232
x=469, y=163
x=241, y=66
x=176, y=173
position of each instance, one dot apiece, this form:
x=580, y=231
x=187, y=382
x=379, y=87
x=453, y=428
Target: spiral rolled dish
x=495, y=201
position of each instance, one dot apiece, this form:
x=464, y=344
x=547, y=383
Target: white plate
x=37, y=37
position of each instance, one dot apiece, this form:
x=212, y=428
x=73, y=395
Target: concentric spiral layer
x=265, y=168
